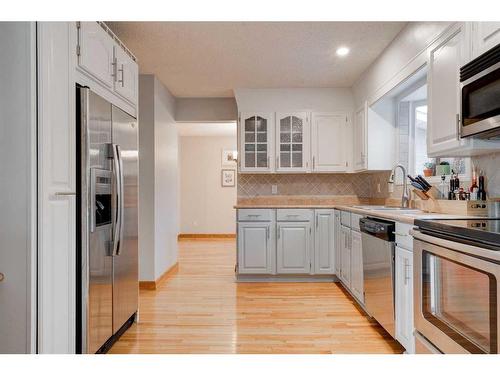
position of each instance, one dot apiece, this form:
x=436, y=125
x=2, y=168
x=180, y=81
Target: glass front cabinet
x=256, y=140
x=274, y=142
x=292, y=142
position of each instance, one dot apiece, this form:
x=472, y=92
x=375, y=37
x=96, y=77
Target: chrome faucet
x=405, y=198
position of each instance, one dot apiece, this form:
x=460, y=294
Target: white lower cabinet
x=293, y=250
x=255, y=248
x=337, y=242
x=345, y=256
x=404, y=298
x=324, y=242
x=357, y=266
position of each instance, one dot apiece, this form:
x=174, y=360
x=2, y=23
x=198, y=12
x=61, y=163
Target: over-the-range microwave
x=480, y=86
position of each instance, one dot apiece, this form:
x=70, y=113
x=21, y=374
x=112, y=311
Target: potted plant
x=428, y=169
x=443, y=168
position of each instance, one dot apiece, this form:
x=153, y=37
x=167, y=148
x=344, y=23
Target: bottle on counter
x=481, y=191
x=443, y=188
x=474, y=181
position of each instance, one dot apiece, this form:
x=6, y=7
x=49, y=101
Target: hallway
x=201, y=309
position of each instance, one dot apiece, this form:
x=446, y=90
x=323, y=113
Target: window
x=412, y=138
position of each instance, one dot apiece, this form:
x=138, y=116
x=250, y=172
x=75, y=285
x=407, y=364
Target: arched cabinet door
x=256, y=142
x=292, y=142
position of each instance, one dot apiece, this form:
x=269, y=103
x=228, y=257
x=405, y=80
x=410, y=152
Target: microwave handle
x=459, y=132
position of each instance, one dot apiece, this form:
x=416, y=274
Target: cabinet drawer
x=299, y=214
x=345, y=218
x=403, y=237
x=255, y=214
x=355, y=221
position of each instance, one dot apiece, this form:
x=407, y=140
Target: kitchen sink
x=387, y=208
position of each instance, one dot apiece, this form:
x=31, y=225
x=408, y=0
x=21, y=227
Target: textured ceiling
x=210, y=59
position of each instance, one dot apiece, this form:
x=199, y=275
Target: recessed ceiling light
x=342, y=51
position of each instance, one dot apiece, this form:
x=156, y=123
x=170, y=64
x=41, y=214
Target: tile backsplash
x=490, y=165
x=361, y=184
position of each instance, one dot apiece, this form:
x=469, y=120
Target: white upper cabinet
x=328, y=144
x=96, y=53
x=445, y=59
x=359, y=139
x=449, y=53
x=485, y=35
x=292, y=142
x=256, y=142
x=127, y=75
x=106, y=66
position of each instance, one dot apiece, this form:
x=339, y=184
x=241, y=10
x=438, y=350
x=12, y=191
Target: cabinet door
x=444, y=93
x=328, y=133
x=324, y=241
x=357, y=266
x=255, y=248
x=338, y=243
x=345, y=269
x=256, y=142
x=294, y=248
x=486, y=35
x=96, y=53
x=127, y=75
x=404, y=299
x=292, y=142
x=359, y=139
x=57, y=188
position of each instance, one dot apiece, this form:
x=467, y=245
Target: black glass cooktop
x=481, y=231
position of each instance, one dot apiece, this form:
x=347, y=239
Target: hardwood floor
x=201, y=309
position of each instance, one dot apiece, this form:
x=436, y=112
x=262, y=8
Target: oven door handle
x=458, y=249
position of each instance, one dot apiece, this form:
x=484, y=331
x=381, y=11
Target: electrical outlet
x=274, y=189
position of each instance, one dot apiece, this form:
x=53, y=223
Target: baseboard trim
x=153, y=285
x=204, y=236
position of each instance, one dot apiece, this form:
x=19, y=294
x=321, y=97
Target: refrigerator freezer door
x=97, y=265
x=125, y=264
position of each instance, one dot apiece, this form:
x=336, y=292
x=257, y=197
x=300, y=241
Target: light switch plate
x=274, y=189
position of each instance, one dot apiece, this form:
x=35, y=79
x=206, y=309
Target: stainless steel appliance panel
x=125, y=262
x=480, y=85
x=97, y=270
x=455, y=297
x=378, y=273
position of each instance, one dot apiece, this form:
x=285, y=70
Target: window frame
x=467, y=176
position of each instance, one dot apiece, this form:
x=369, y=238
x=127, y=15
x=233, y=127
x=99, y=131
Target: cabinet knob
x=2, y=277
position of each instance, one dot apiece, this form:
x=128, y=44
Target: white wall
x=166, y=181
x=404, y=55
x=205, y=109
x=206, y=206
x=18, y=187
x=158, y=179
x=298, y=99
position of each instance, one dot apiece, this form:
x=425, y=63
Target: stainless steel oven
x=456, y=296
x=480, y=85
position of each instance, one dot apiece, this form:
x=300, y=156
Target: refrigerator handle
x=121, y=198
x=118, y=209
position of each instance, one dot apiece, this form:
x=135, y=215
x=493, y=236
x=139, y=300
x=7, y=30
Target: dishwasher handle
x=378, y=228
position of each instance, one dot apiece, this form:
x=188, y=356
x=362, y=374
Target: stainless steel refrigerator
x=107, y=214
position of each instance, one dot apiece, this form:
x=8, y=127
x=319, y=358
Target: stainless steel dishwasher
x=377, y=238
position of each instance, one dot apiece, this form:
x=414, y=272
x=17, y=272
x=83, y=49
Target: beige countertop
x=345, y=204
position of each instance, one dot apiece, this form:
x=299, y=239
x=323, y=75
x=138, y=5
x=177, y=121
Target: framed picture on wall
x=229, y=158
x=228, y=177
